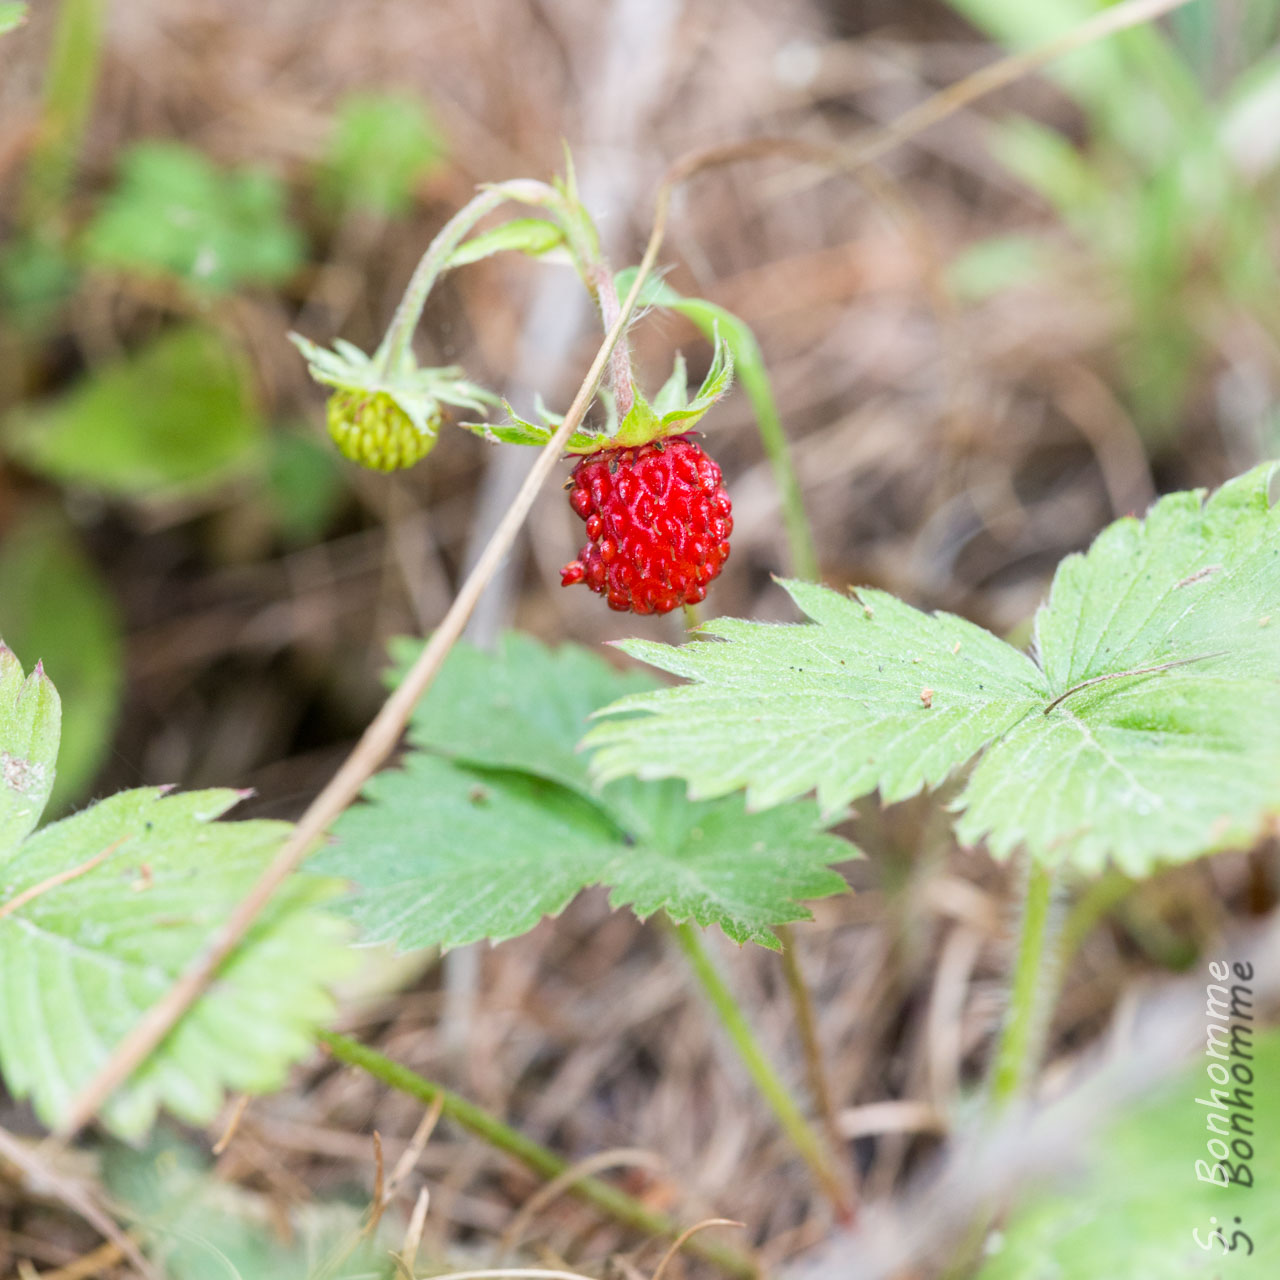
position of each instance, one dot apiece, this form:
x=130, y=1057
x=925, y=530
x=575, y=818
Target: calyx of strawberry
x=670, y=413
x=386, y=414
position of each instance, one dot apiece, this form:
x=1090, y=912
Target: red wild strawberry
x=658, y=525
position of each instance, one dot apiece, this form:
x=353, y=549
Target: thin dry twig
x=601, y=1160
x=684, y=1235
x=237, y=1114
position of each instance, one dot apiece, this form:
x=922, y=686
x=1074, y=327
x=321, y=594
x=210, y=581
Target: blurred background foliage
x=1046, y=310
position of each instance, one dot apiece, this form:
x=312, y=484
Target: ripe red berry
x=658, y=525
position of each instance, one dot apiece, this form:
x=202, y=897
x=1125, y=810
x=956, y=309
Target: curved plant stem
x=435, y=261
x=1021, y=1041
x=771, y=1086
x=546, y=1164
x=755, y=382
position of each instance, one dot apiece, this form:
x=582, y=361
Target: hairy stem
x=767, y=1080
x=1021, y=1042
x=435, y=261
x=546, y=1164
x=606, y=295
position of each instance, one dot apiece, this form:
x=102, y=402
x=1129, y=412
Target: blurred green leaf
x=174, y=213
x=36, y=276
x=382, y=146
x=174, y=418
x=1134, y=1210
x=303, y=485
x=997, y=263
x=197, y=1227
x=12, y=15
x=55, y=609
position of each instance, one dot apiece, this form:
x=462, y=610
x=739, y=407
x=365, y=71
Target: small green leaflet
x=534, y=236
x=101, y=912
x=175, y=214
x=383, y=145
x=1133, y=1210
x=1147, y=730
x=492, y=822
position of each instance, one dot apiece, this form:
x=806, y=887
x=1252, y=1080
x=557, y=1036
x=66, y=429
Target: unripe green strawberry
x=371, y=429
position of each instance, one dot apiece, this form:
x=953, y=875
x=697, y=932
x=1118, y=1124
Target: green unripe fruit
x=371, y=429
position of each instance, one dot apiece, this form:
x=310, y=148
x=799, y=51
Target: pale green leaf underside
x=1142, y=766
x=81, y=962
x=493, y=823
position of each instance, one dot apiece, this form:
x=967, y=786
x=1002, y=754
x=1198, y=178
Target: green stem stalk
x=755, y=382
x=1021, y=1042
x=435, y=262
x=546, y=1164
x=70, y=82
x=767, y=1080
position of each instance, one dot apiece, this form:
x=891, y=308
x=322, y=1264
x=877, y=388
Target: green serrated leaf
x=176, y=417
x=1149, y=732
x=493, y=822
x=383, y=145
x=517, y=430
x=30, y=715
x=81, y=960
x=534, y=236
x=877, y=694
x=173, y=213
x=55, y=609
x=1138, y=1208
x=1172, y=763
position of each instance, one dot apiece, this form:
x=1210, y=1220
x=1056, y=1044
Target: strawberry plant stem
x=546, y=1164
x=70, y=82
x=1021, y=1041
x=766, y=1078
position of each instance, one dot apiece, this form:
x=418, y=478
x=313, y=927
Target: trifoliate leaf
x=1138, y=1209
x=383, y=145
x=492, y=823
x=55, y=609
x=99, y=915
x=1147, y=731
x=176, y=417
x=30, y=712
x=173, y=213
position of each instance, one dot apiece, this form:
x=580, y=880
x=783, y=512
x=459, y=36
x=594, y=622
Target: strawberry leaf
x=101, y=912
x=1147, y=730
x=493, y=822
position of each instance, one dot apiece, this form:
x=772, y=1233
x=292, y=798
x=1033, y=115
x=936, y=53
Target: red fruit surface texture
x=658, y=525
